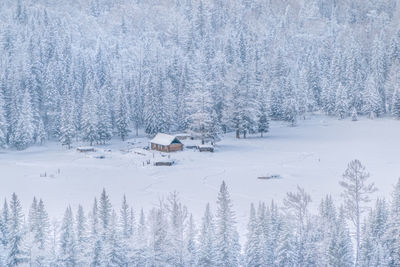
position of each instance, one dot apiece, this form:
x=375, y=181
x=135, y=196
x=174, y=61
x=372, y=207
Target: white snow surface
x=312, y=155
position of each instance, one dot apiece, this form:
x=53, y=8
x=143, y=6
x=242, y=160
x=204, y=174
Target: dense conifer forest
x=93, y=69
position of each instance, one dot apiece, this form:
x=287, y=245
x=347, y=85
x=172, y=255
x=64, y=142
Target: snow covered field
x=312, y=155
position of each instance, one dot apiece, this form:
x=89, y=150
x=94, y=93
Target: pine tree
x=354, y=116
x=89, y=116
x=326, y=225
x=262, y=116
x=117, y=254
x=252, y=250
x=296, y=204
x=374, y=249
x=122, y=116
x=177, y=217
x=342, y=105
x=94, y=227
x=68, y=253
x=286, y=252
x=290, y=106
x=141, y=252
x=16, y=255
x=372, y=100
x=82, y=239
x=396, y=105
x=393, y=234
x=227, y=245
x=207, y=253
x=67, y=127
x=23, y=135
x=190, y=252
x=340, y=247
x=356, y=194
x=203, y=119
x=159, y=243
x=126, y=223
x=42, y=227
x=5, y=217
x=104, y=125
x=32, y=215
x=155, y=115
x=41, y=134
x=3, y=122
x=105, y=209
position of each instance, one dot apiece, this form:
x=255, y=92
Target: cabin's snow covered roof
x=164, y=139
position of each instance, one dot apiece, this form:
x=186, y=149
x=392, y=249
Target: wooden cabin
x=166, y=143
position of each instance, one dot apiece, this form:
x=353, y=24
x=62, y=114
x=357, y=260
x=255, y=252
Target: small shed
x=163, y=163
x=206, y=148
x=183, y=136
x=166, y=143
x=84, y=149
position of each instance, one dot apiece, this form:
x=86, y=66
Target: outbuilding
x=206, y=148
x=166, y=143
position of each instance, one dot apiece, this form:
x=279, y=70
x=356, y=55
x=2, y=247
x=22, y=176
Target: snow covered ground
x=313, y=155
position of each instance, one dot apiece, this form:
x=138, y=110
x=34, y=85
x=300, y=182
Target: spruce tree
x=190, y=251
x=159, y=242
x=122, y=116
x=41, y=134
x=177, y=216
x=141, y=251
x=253, y=250
x=16, y=254
x=286, y=255
x=4, y=230
x=396, y=105
x=262, y=115
x=290, y=106
x=82, y=238
x=68, y=253
x=117, y=253
x=393, y=233
x=372, y=100
x=354, y=116
x=67, y=127
x=342, y=105
x=3, y=122
x=340, y=247
x=89, y=116
x=207, y=253
x=125, y=219
x=227, y=245
x=105, y=210
x=23, y=135
x=202, y=119
x=104, y=125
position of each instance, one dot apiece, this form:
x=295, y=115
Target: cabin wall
x=175, y=147
x=170, y=148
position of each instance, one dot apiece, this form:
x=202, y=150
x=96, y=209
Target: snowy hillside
x=292, y=108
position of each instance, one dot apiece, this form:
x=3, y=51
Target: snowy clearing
x=313, y=155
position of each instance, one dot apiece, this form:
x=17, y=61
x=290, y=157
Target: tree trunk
x=237, y=134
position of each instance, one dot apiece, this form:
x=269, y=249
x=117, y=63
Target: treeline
x=168, y=235
x=92, y=69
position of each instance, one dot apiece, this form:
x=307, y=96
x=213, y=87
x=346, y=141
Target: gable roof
x=165, y=139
